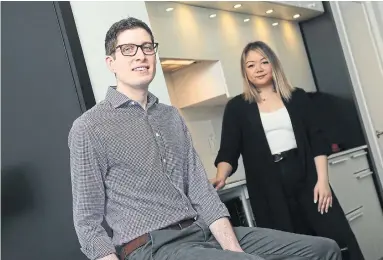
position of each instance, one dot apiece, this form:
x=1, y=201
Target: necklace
x=259, y=93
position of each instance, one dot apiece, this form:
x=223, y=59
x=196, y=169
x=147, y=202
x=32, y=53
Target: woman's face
x=258, y=69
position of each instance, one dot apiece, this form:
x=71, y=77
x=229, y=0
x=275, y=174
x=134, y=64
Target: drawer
x=352, y=163
x=351, y=188
x=368, y=230
x=346, y=174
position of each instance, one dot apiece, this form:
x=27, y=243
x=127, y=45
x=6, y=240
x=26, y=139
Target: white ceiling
x=282, y=10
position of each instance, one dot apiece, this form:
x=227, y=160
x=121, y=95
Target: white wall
x=93, y=19
x=189, y=33
x=205, y=126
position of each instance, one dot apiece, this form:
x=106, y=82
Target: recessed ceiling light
x=274, y=24
x=237, y=6
x=212, y=15
x=269, y=11
x=246, y=20
x=169, y=9
x=296, y=16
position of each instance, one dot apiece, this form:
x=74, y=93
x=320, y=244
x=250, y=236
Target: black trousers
x=304, y=212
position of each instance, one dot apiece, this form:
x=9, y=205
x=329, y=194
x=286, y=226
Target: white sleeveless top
x=279, y=130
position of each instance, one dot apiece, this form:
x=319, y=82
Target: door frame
x=359, y=97
x=75, y=55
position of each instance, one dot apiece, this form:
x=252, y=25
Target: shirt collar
x=117, y=99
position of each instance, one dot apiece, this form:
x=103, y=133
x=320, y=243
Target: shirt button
x=157, y=134
x=164, y=160
x=133, y=103
x=187, y=208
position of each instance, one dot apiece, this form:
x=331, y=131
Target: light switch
x=212, y=144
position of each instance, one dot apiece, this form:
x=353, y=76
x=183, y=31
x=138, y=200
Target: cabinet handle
x=339, y=161
x=363, y=174
x=358, y=215
x=358, y=155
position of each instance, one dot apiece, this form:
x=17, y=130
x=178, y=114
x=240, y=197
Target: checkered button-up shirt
x=138, y=169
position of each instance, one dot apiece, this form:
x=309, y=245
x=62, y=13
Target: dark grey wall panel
x=39, y=102
x=331, y=75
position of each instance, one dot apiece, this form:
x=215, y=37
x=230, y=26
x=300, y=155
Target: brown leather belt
x=129, y=247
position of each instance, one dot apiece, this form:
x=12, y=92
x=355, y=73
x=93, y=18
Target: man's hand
x=323, y=195
x=109, y=257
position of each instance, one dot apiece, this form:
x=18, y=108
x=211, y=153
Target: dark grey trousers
x=197, y=243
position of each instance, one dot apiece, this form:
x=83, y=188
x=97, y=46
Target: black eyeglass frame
x=155, y=47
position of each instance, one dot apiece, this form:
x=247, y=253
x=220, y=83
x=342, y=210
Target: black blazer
x=243, y=134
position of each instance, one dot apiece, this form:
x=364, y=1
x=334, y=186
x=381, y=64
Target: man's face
x=135, y=71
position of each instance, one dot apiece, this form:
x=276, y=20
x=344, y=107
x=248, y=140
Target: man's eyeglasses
x=131, y=49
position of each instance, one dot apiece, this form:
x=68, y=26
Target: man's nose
x=140, y=55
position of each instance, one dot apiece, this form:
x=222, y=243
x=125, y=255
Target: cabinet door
x=367, y=221
x=342, y=172
x=351, y=179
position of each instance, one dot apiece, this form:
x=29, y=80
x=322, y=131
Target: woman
x=272, y=125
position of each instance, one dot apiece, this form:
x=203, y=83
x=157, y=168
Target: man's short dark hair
x=119, y=27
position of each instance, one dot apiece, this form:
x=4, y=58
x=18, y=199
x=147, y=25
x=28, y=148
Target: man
x=133, y=162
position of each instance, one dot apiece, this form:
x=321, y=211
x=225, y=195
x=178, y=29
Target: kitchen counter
x=335, y=155
x=238, y=189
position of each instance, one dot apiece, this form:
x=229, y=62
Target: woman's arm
x=228, y=155
x=320, y=148
x=321, y=167
x=224, y=169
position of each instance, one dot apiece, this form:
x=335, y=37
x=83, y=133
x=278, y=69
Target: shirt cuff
x=98, y=247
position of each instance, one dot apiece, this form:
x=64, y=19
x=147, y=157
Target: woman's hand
x=223, y=171
x=218, y=182
x=323, y=195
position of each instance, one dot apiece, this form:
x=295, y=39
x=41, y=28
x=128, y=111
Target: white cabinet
x=351, y=179
x=199, y=84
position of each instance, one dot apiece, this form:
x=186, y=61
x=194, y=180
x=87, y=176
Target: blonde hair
x=281, y=84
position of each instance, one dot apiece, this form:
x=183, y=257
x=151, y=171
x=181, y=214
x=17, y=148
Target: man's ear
x=110, y=63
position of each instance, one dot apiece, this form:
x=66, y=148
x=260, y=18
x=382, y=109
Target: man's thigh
x=193, y=243
x=273, y=244
x=204, y=252
x=190, y=251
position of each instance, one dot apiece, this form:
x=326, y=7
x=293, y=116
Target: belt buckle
x=278, y=157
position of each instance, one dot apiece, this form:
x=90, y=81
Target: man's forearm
x=223, y=232
x=109, y=257
x=322, y=168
